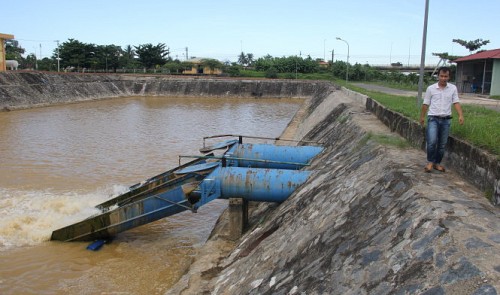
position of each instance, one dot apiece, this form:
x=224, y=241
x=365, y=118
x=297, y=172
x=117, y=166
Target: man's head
x=444, y=76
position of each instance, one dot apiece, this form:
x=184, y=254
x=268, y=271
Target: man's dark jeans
x=438, y=129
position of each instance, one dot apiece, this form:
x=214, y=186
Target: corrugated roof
x=495, y=53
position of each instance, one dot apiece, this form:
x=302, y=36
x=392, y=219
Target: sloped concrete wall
x=31, y=89
x=368, y=221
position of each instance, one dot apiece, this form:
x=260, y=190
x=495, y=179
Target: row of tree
x=79, y=56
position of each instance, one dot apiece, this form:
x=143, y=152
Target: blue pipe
x=268, y=152
x=256, y=184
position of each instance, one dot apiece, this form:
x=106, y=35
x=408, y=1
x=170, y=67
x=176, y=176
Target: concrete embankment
x=33, y=89
x=368, y=221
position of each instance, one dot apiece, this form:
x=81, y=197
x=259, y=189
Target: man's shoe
x=428, y=168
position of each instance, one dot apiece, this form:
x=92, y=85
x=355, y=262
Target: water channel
x=57, y=162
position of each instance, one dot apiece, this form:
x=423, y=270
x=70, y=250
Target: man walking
x=438, y=100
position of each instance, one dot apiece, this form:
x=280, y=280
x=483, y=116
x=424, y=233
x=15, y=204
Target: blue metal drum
x=271, y=156
x=258, y=184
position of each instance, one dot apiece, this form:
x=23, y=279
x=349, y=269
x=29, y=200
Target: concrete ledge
x=474, y=164
x=238, y=218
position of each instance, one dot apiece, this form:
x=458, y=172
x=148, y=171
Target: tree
x=212, y=64
x=109, y=56
x=271, y=73
x=30, y=61
x=152, y=55
x=250, y=60
x=242, y=59
x=74, y=53
x=339, y=69
x=233, y=70
x=47, y=64
x=445, y=56
x=245, y=59
x=13, y=51
x=264, y=63
x=472, y=45
x=290, y=64
x=175, y=67
x=127, y=59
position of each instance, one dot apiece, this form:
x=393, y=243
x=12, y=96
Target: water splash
x=29, y=217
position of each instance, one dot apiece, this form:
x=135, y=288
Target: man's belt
x=442, y=117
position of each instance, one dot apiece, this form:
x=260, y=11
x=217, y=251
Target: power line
x=29, y=40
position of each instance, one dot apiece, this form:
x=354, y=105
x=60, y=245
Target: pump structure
x=251, y=172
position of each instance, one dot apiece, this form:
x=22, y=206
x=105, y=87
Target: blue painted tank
x=258, y=184
x=271, y=156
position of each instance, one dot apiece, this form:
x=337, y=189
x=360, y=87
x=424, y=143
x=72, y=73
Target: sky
x=377, y=32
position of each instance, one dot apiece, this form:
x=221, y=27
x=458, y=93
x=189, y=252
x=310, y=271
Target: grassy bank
x=481, y=127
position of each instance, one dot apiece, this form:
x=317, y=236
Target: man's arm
x=458, y=107
x=422, y=114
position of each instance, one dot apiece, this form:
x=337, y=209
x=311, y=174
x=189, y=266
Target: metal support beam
x=238, y=218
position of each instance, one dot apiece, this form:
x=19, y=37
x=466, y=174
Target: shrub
x=272, y=73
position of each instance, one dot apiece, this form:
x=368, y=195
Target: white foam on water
x=29, y=217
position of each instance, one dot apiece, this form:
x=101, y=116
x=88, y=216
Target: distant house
x=479, y=73
x=199, y=66
x=323, y=64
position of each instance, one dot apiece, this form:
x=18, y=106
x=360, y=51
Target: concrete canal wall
x=368, y=221
x=33, y=89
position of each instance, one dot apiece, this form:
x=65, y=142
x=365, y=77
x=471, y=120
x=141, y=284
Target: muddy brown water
x=57, y=162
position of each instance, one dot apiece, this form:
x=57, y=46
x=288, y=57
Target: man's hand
x=423, y=111
x=458, y=107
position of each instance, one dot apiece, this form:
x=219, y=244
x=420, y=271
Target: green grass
x=312, y=76
x=384, y=139
x=481, y=127
x=401, y=86
x=252, y=74
x=392, y=140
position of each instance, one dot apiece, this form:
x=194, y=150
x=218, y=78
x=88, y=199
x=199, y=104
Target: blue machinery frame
x=254, y=172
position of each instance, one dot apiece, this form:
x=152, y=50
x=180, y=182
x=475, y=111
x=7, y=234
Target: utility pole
x=422, y=57
x=57, y=41
x=187, y=53
x=36, y=58
x=333, y=53
x=347, y=68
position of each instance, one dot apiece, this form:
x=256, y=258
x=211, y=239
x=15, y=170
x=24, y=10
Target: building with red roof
x=479, y=73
